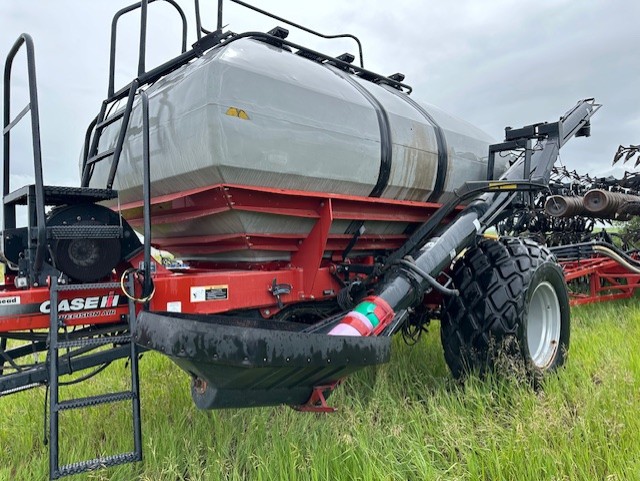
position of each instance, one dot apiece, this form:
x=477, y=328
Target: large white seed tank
x=250, y=113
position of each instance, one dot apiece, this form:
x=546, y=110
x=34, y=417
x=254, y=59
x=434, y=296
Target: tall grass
x=407, y=420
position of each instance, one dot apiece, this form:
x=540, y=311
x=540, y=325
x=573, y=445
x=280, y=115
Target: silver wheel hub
x=544, y=323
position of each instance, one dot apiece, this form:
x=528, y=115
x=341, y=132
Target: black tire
x=489, y=326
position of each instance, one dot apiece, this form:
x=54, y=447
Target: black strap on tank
x=385, y=134
x=441, y=142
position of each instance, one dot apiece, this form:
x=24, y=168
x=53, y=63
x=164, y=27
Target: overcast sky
x=493, y=62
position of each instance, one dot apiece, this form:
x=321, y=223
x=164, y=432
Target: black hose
x=427, y=277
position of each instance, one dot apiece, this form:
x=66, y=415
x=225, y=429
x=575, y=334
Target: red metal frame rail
x=599, y=279
x=216, y=287
x=207, y=202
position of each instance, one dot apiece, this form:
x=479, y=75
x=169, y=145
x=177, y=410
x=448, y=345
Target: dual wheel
x=512, y=312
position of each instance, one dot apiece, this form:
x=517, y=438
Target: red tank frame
x=209, y=288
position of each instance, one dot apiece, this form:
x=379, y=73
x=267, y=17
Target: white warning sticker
x=175, y=306
x=209, y=293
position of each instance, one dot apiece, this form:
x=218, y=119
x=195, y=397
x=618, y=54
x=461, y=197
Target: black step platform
x=60, y=195
x=241, y=362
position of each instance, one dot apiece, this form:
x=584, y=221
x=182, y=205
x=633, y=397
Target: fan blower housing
x=90, y=258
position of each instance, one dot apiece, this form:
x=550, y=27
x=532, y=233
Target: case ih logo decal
x=83, y=303
x=10, y=301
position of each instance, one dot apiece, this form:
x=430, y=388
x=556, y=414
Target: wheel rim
x=543, y=325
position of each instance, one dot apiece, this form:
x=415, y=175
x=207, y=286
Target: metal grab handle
x=280, y=19
x=143, y=37
x=9, y=220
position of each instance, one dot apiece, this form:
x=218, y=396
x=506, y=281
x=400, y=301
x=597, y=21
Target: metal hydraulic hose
x=615, y=256
x=401, y=292
x=427, y=277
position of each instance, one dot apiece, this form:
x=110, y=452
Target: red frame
x=206, y=202
x=607, y=280
x=309, y=273
x=33, y=298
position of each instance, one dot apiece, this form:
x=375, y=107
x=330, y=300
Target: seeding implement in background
x=573, y=217
x=315, y=208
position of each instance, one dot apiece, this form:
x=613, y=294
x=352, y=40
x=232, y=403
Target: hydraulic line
x=146, y=297
x=587, y=249
x=615, y=256
x=432, y=282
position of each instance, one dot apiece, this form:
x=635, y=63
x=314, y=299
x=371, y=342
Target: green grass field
x=407, y=420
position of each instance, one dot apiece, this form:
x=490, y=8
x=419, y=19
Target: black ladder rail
x=142, y=5
x=9, y=220
x=103, y=120
x=293, y=24
x=56, y=406
x=93, y=156
x=146, y=193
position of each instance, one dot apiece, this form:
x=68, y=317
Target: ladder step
x=19, y=196
x=93, y=464
x=100, y=156
x=124, y=341
x=85, y=232
x=110, y=120
x=60, y=195
x=95, y=400
x=95, y=341
x=89, y=287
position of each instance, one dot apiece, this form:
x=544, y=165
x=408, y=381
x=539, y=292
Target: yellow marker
x=234, y=112
x=501, y=186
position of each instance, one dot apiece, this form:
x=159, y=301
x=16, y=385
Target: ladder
x=36, y=270
x=56, y=406
x=93, y=156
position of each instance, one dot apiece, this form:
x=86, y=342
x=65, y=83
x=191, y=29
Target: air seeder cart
x=317, y=210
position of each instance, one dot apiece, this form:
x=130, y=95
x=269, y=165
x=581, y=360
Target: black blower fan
x=97, y=240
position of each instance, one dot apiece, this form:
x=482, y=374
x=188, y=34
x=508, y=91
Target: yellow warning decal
x=234, y=112
x=501, y=186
